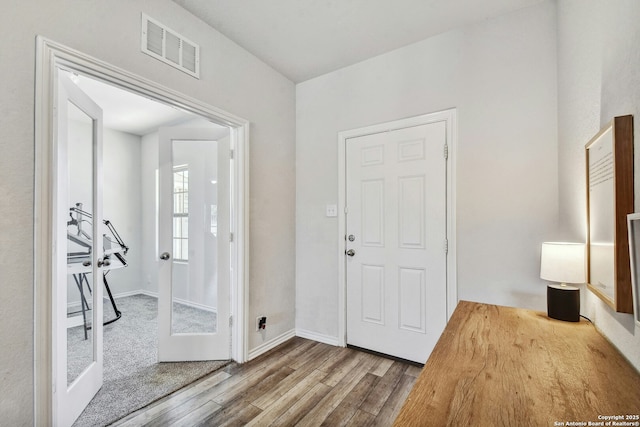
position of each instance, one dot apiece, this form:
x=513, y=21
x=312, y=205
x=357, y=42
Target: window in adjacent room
x=181, y=213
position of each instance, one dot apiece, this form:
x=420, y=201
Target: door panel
x=412, y=290
x=373, y=294
x=411, y=193
x=194, y=233
x=373, y=213
x=396, y=276
x=78, y=362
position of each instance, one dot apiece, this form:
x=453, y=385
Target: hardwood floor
x=301, y=382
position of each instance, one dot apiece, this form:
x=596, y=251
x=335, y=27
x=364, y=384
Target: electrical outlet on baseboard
x=261, y=323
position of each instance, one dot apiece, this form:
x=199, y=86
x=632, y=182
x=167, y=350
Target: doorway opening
x=131, y=203
x=131, y=210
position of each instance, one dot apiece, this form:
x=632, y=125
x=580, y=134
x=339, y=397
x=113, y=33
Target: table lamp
x=563, y=263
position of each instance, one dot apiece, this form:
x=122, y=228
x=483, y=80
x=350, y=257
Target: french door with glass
x=194, y=245
x=78, y=260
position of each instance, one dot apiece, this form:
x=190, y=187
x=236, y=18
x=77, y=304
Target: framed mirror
x=609, y=162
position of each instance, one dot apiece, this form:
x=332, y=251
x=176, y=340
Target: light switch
x=332, y=210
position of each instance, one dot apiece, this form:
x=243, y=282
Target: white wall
x=149, y=198
x=231, y=79
x=122, y=204
x=501, y=76
x=599, y=78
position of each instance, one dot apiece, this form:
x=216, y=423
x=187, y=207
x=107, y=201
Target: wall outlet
x=261, y=323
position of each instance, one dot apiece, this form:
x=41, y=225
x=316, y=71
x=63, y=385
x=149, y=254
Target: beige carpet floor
x=132, y=377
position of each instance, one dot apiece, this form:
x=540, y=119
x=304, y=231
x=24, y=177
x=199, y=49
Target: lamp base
x=563, y=302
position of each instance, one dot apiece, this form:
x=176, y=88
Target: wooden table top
x=497, y=366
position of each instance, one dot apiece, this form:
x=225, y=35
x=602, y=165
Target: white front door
x=396, y=232
x=77, y=256
x=194, y=245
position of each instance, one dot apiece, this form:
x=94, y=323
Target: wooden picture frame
x=609, y=163
x=633, y=223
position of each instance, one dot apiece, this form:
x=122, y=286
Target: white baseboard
x=74, y=321
x=105, y=296
x=178, y=300
x=327, y=339
x=77, y=320
x=264, y=347
x=136, y=292
x=155, y=295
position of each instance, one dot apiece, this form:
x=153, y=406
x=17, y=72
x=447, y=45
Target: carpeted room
x=133, y=378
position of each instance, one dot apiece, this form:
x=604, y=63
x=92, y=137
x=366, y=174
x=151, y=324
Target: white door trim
x=49, y=56
x=447, y=116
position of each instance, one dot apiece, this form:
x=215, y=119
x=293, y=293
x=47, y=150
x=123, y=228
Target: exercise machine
x=79, y=255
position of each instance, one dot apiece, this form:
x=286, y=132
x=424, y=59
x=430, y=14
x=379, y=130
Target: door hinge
x=446, y=246
x=230, y=321
x=231, y=237
x=346, y=210
x=446, y=152
x=231, y=154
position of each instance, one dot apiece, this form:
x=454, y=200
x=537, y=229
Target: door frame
x=49, y=56
x=449, y=117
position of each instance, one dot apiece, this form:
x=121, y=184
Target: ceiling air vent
x=170, y=47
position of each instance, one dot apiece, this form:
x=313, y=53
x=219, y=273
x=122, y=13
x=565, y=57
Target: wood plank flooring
x=301, y=382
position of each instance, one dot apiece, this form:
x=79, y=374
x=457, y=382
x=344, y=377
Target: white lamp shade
x=563, y=262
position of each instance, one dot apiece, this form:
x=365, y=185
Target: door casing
x=447, y=116
x=49, y=56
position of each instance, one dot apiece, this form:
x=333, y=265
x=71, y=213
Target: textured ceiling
x=303, y=39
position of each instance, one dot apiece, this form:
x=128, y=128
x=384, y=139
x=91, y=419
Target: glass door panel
x=80, y=283
x=195, y=267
